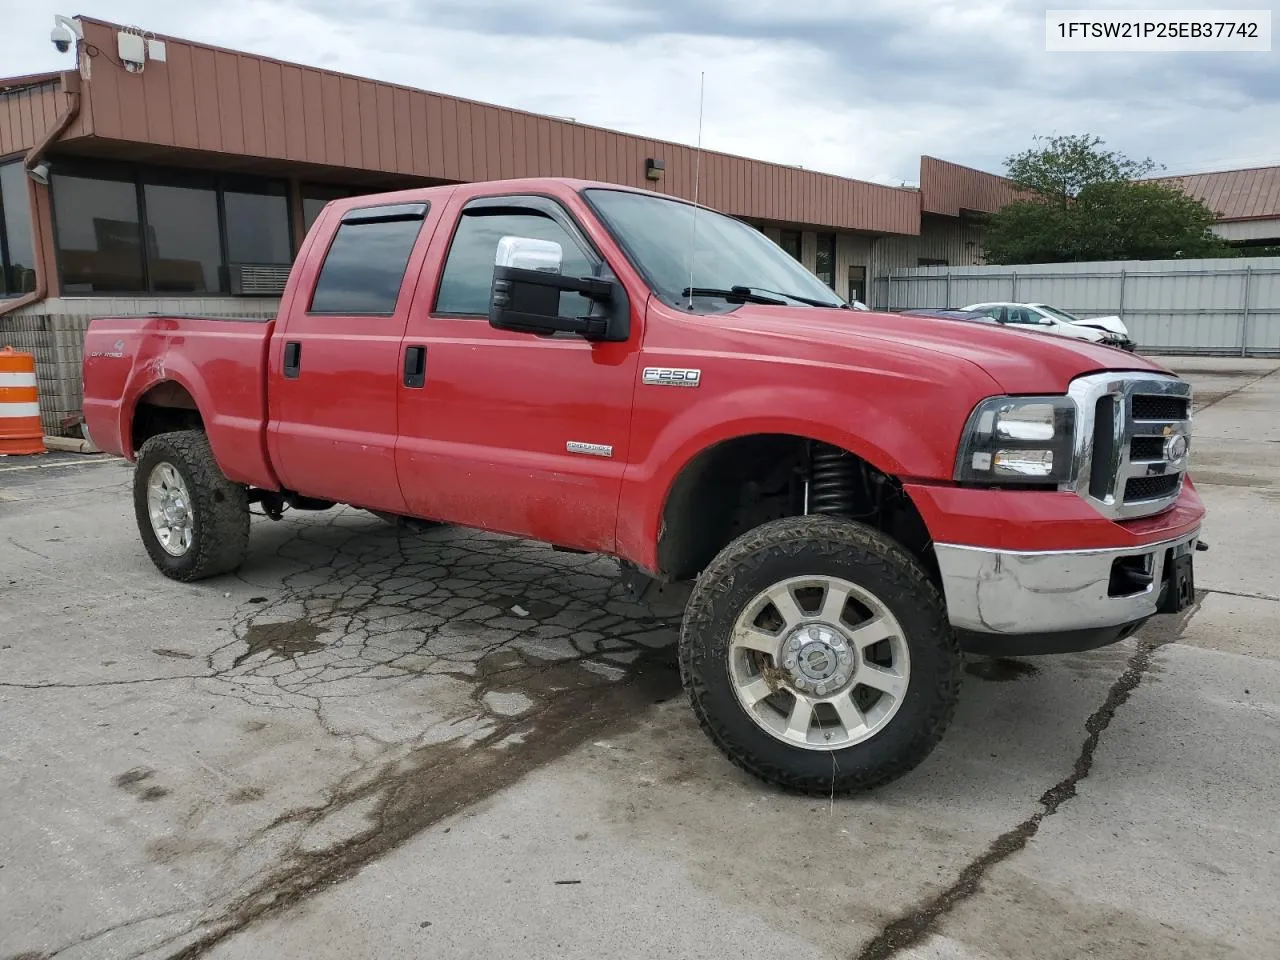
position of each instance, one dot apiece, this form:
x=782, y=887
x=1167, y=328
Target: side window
x=365, y=266
x=467, y=282
x=995, y=313
x=1020, y=315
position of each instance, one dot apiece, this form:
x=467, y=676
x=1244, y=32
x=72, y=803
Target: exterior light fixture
x=654, y=169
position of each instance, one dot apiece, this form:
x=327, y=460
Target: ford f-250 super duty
x=854, y=497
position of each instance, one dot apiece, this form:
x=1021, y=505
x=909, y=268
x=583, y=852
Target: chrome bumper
x=1000, y=592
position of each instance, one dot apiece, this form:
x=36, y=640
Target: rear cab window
x=365, y=265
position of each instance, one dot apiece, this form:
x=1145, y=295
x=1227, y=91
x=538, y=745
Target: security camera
x=62, y=38
x=65, y=32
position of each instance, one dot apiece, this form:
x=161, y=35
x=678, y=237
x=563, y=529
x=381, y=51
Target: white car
x=1047, y=319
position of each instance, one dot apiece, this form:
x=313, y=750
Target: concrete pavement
x=372, y=744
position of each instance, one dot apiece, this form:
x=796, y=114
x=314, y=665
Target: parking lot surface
x=373, y=743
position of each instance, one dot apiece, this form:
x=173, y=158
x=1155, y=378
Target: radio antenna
x=697, y=176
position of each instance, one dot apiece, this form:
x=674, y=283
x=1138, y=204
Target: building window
x=258, y=227
x=790, y=242
x=99, y=243
x=127, y=229
x=825, y=264
x=17, y=252
x=183, y=251
x=930, y=262
x=364, y=268
x=314, y=198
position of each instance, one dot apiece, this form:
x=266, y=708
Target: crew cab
x=851, y=498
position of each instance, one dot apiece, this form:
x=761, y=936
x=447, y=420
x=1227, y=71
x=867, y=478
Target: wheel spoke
x=749, y=637
x=755, y=691
x=800, y=718
x=872, y=632
x=833, y=604
x=850, y=716
x=882, y=679
x=780, y=596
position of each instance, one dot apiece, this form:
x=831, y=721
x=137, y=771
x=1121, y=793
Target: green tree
x=1084, y=204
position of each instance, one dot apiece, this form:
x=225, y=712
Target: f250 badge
x=671, y=377
x=116, y=352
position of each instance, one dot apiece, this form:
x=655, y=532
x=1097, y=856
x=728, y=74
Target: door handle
x=415, y=366
x=292, y=359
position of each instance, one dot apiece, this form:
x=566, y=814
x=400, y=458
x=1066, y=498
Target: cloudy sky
x=855, y=87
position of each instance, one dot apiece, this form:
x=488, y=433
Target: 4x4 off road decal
x=671, y=377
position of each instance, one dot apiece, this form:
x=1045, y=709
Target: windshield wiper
x=734, y=294
x=799, y=299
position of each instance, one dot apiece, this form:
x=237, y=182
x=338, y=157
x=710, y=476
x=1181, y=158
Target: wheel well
x=164, y=408
x=739, y=484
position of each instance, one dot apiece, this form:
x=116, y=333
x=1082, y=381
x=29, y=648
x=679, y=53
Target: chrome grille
x=1128, y=464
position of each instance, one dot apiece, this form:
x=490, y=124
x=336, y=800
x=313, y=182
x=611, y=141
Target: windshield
x=1055, y=312
x=658, y=235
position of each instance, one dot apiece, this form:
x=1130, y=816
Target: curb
x=70, y=445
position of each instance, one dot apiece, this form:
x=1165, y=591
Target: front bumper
x=1007, y=602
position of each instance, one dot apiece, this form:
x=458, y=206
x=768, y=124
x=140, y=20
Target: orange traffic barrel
x=20, y=430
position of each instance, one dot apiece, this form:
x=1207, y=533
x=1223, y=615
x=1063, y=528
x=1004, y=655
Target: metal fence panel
x=1226, y=306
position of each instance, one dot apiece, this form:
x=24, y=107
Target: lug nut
x=794, y=644
x=845, y=658
x=789, y=663
x=822, y=688
x=838, y=679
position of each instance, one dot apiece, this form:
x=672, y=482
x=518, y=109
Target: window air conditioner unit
x=258, y=279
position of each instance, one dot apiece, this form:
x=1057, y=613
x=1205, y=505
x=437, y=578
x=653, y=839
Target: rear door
x=334, y=371
x=508, y=431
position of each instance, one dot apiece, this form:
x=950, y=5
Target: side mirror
x=1044, y=322
x=527, y=285
x=526, y=253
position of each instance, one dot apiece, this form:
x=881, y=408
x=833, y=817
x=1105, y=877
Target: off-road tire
x=220, y=508
x=814, y=545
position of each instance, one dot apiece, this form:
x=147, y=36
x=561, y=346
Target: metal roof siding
x=227, y=102
x=30, y=110
x=948, y=188
x=1248, y=194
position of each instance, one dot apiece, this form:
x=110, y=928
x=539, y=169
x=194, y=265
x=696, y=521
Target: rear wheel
x=818, y=656
x=193, y=521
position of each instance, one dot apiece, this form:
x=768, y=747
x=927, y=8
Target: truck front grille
x=1139, y=489
x=1131, y=460
x=1151, y=407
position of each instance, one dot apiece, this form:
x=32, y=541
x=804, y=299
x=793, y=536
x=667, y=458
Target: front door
x=857, y=284
x=506, y=431
x=334, y=365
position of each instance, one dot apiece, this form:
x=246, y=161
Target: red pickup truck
x=852, y=497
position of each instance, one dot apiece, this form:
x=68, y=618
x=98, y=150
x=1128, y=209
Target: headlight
x=1019, y=440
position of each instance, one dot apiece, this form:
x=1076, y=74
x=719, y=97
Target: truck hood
x=1019, y=361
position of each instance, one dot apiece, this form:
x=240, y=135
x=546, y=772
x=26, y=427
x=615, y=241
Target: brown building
x=181, y=178
x=1246, y=203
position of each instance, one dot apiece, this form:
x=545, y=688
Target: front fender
x=888, y=436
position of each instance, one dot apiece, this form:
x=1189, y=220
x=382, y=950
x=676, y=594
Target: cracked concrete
x=376, y=744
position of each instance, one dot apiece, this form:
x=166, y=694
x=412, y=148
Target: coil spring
x=832, y=481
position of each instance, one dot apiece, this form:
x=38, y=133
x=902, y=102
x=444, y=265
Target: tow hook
x=1201, y=546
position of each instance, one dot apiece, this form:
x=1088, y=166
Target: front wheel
x=194, y=522
x=818, y=656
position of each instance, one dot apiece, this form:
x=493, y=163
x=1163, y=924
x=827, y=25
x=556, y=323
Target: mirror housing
x=527, y=285
x=1044, y=322
x=526, y=253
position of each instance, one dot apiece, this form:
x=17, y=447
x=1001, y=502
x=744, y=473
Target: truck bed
x=126, y=357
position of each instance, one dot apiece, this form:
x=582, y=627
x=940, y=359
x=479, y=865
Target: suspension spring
x=833, y=477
